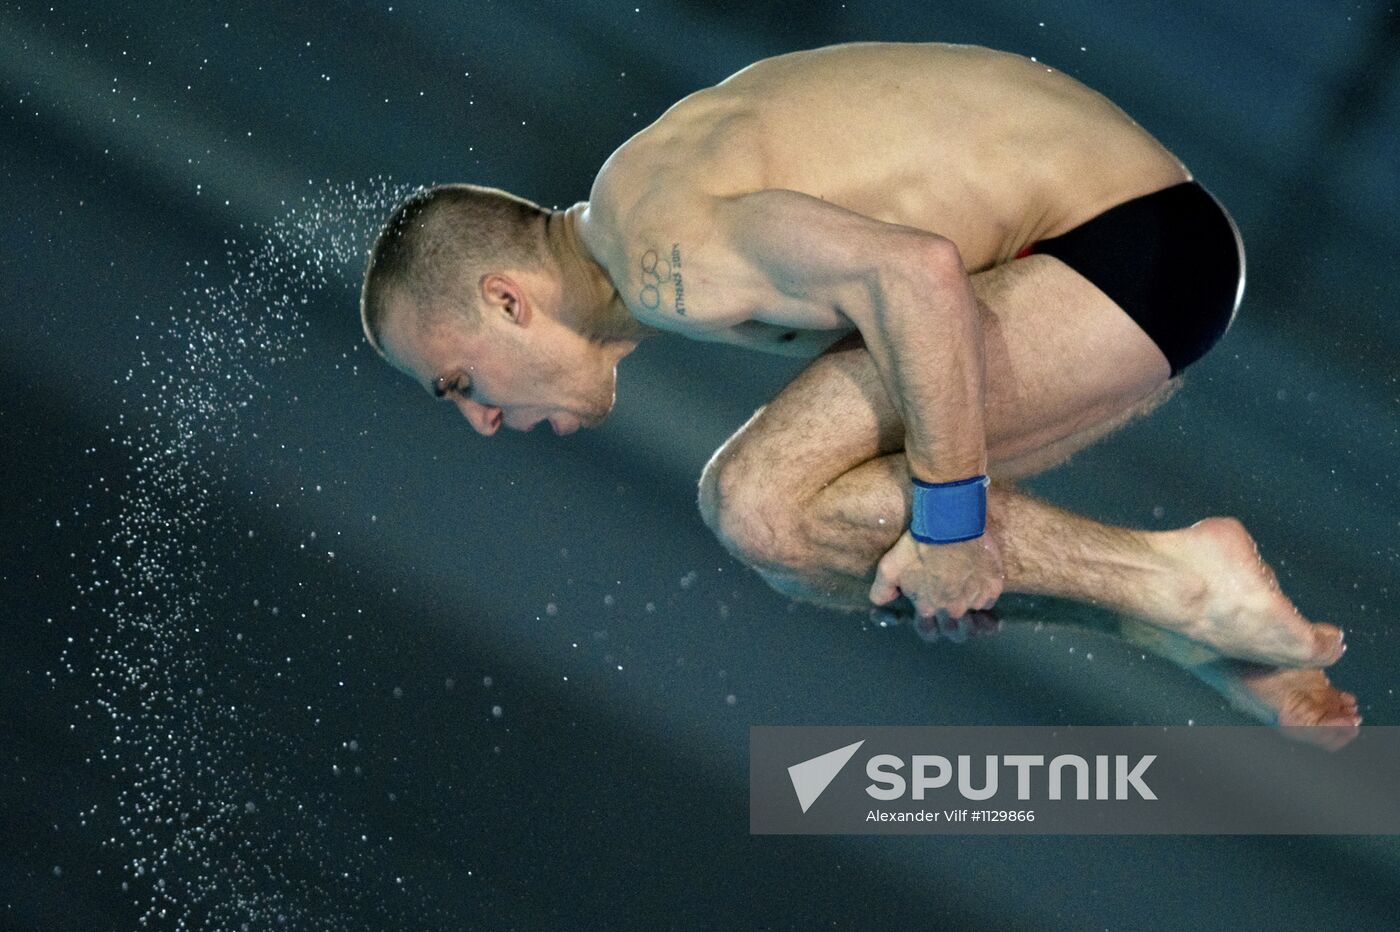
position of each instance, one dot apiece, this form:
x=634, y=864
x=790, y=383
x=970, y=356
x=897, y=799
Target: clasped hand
x=955, y=578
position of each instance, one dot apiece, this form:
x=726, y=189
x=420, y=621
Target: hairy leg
x=814, y=489
x=1205, y=582
x=1057, y=452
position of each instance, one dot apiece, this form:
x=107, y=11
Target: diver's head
x=492, y=302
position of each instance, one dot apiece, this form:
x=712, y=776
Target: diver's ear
x=504, y=296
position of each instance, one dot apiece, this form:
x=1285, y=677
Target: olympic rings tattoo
x=655, y=270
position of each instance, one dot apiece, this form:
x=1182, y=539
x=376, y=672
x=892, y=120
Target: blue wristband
x=949, y=512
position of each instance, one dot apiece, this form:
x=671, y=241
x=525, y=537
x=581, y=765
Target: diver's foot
x=1230, y=600
x=940, y=627
x=1300, y=701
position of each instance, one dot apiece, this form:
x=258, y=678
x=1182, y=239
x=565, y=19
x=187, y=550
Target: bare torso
x=988, y=149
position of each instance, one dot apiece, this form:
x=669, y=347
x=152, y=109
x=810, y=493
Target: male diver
x=991, y=267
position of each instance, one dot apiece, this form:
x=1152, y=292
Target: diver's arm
x=904, y=289
x=692, y=263
x=797, y=261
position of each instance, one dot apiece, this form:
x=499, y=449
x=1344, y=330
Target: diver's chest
x=770, y=338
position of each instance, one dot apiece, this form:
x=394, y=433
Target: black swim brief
x=1173, y=260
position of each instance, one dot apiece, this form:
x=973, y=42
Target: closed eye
x=441, y=389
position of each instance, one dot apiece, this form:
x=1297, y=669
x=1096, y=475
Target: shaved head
x=435, y=247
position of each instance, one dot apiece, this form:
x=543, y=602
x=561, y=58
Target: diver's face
x=501, y=374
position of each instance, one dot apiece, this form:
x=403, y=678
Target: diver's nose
x=484, y=419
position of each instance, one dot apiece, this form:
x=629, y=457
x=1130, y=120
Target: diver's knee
x=749, y=516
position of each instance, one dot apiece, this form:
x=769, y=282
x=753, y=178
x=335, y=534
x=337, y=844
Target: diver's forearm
x=925, y=336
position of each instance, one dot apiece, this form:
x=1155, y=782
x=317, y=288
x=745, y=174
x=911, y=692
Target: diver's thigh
x=1059, y=451
x=833, y=416
x=1061, y=359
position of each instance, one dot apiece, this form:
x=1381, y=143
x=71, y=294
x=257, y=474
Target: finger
x=927, y=629
x=883, y=589
x=955, y=628
x=925, y=607
x=884, y=617
x=987, y=622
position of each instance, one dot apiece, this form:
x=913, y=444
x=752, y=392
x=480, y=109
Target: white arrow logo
x=811, y=777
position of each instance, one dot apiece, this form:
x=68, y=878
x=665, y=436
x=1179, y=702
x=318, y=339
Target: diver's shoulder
x=640, y=182
x=620, y=236
x=625, y=180
x=636, y=207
